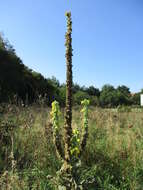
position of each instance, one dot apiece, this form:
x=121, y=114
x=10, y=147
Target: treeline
x=17, y=80
x=18, y=83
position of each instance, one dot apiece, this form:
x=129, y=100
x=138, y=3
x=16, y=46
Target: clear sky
x=107, y=38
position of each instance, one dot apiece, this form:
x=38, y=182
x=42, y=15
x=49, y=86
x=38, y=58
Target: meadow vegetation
x=113, y=158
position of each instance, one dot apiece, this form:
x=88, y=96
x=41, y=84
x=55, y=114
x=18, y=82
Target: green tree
x=79, y=96
x=123, y=95
x=124, y=89
x=75, y=88
x=92, y=91
x=108, y=96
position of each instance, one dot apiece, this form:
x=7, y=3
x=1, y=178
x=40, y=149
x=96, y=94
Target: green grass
x=113, y=159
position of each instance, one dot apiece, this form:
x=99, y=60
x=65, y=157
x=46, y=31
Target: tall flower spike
x=68, y=114
x=85, y=104
x=55, y=113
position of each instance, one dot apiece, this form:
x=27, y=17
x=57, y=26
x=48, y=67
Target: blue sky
x=107, y=38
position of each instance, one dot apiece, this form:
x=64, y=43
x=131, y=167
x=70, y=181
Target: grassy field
x=113, y=159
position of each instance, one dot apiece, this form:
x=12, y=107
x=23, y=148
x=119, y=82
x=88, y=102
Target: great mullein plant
x=74, y=141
